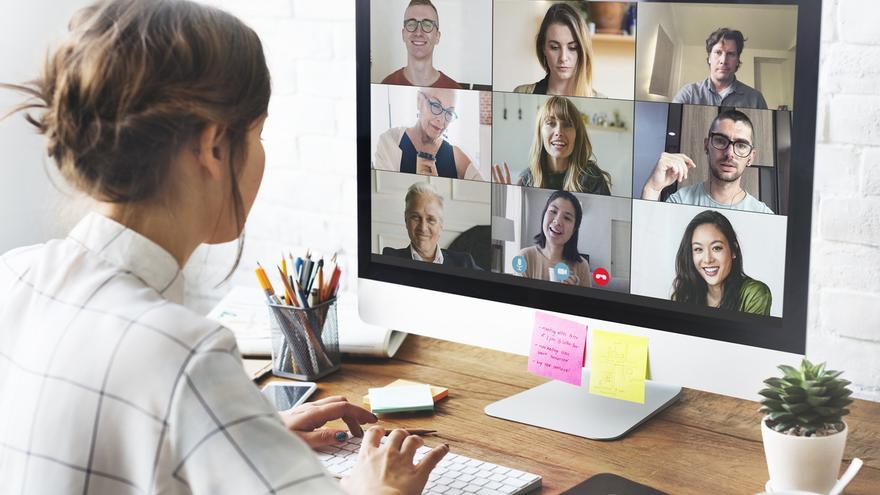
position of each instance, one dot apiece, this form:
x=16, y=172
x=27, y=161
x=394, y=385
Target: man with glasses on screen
x=421, y=33
x=723, y=50
x=729, y=151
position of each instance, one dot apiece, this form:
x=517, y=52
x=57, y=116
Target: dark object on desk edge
x=610, y=484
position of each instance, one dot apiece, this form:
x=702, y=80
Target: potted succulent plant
x=803, y=429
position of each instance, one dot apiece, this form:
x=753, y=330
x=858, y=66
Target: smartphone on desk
x=285, y=395
x=610, y=484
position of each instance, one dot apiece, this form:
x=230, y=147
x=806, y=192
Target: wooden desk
x=703, y=444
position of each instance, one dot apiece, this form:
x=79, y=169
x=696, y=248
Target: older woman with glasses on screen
x=421, y=148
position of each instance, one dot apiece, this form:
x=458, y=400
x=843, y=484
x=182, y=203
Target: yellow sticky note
x=618, y=365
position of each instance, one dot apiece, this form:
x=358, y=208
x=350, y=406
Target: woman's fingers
x=410, y=445
x=395, y=439
x=499, y=175
x=315, y=416
x=372, y=438
x=328, y=400
x=322, y=438
x=429, y=462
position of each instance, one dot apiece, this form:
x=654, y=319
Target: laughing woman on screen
x=565, y=52
x=557, y=242
x=709, y=268
x=108, y=384
x=561, y=155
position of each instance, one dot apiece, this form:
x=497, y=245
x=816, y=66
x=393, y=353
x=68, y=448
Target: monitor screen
x=649, y=163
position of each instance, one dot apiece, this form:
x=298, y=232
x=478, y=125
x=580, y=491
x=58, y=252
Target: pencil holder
x=305, y=341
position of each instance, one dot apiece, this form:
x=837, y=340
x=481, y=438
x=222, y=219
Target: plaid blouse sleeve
x=225, y=437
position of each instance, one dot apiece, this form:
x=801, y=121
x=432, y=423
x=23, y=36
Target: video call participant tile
x=431, y=131
x=557, y=236
x=546, y=47
x=725, y=259
x=581, y=145
x=717, y=55
x=436, y=43
x=431, y=220
x=717, y=157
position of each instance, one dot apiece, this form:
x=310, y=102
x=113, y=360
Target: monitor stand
x=571, y=409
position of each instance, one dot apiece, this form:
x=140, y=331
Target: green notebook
x=409, y=398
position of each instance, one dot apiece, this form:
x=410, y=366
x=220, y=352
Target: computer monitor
x=665, y=191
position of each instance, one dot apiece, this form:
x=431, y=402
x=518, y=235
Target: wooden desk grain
x=703, y=444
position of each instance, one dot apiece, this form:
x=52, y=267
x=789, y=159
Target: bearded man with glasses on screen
x=729, y=150
x=420, y=33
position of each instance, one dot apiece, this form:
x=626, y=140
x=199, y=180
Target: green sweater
x=755, y=297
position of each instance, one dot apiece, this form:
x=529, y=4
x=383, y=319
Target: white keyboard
x=454, y=475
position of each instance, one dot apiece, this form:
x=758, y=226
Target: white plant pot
x=802, y=463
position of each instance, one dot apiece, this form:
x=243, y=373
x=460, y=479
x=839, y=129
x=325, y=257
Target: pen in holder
x=305, y=341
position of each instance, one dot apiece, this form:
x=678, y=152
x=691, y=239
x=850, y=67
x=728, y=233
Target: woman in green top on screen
x=562, y=155
x=709, y=268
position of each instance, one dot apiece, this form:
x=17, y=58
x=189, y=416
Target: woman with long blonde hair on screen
x=108, y=384
x=562, y=155
x=565, y=51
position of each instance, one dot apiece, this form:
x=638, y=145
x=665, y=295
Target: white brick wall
x=308, y=195
x=844, y=324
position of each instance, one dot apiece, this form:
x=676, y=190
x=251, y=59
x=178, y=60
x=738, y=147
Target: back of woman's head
x=580, y=162
x=689, y=285
x=134, y=82
x=566, y=15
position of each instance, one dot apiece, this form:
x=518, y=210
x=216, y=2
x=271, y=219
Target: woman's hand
x=389, y=468
x=306, y=419
x=499, y=175
x=426, y=167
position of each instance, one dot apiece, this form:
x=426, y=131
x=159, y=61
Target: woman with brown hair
x=107, y=383
x=565, y=52
x=562, y=155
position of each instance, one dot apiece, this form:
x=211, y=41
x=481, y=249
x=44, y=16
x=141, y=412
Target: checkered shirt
x=109, y=385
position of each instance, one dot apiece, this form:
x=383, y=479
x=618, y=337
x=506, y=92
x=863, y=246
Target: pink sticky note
x=558, y=347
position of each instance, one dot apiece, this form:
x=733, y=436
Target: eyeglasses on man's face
x=428, y=25
x=437, y=108
x=720, y=142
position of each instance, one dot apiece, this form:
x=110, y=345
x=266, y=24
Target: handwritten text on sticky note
x=558, y=348
x=618, y=364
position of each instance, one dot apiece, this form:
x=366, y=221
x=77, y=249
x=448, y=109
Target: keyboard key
x=479, y=481
x=501, y=470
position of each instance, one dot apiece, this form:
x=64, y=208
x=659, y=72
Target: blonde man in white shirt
x=108, y=384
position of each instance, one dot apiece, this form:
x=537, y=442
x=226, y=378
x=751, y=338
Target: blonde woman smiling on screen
x=565, y=52
x=561, y=155
x=557, y=242
x=107, y=383
x=422, y=148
